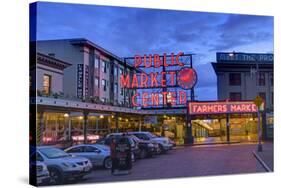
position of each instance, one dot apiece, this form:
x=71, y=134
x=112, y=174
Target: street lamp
x=232, y=54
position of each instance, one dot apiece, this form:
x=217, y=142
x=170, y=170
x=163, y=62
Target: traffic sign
x=258, y=101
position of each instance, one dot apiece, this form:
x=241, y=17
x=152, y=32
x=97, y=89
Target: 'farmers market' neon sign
x=221, y=107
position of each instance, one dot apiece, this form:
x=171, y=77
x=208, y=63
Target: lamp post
x=258, y=99
x=260, y=104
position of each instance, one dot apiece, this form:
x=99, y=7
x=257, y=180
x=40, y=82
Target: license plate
x=86, y=169
x=39, y=181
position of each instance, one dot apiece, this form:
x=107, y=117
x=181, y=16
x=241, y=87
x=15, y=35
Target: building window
x=46, y=84
x=121, y=71
x=97, y=63
x=271, y=79
x=234, y=79
x=115, y=88
x=261, y=79
x=103, y=66
x=103, y=83
x=235, y=96
x=272, y=99
x=262, y=95
x=122, y=91
x=96, y=82
x=115, y=71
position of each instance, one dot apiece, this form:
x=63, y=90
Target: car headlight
x=45, y=168
x=150, y=145
x=69, y=165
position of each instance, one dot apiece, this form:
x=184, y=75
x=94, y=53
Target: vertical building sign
x=80, y=74
x=86, y=80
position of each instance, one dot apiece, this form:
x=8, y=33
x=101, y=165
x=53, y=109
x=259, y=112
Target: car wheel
x=143, y=154
x=133, y=157
x=107, y=163
x=162, y=150
x=56, y=177
x=79, y=178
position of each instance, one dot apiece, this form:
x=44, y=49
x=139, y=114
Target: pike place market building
x=81, y=92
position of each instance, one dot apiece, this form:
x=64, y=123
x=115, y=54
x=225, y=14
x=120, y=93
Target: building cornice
x=51, y=61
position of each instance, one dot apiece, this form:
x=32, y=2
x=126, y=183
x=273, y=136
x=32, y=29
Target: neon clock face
x=187, y=78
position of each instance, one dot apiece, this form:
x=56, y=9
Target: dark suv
x=108, y=139
x=147, y=148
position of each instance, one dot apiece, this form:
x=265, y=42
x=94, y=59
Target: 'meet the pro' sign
x=196, y=108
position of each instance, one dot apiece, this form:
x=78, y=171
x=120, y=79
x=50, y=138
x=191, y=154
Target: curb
x=211, y=143
x=264, y=165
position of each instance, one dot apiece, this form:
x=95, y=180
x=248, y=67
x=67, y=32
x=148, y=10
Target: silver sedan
x=98, y=154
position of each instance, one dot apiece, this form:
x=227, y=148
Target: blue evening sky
x=129, y=31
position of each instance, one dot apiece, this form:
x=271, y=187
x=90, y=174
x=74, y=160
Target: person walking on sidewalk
x=113, y=155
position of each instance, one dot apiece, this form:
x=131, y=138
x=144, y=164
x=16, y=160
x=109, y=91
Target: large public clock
x=187, y=78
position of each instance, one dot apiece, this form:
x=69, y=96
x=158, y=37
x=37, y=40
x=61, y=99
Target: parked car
x=147, y=147
x=42, y=173
x=61, y=165
x=108, y=139
x=165, y=144
x=39, y=172
x=98, y=154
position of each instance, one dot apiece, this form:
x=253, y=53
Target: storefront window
x=242, y=128
x=55, y=129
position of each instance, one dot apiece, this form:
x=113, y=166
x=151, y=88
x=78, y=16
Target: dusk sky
x=129, y=31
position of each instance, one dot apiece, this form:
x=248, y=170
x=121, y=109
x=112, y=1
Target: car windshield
x=104, y=148
x=135, y=138
x=53, y=153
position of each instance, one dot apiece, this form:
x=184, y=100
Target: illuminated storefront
x=217, y=121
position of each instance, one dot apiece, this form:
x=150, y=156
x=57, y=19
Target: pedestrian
x=113, y=156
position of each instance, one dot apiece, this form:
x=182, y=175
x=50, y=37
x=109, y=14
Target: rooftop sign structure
x=232, y=57
x=158, y=73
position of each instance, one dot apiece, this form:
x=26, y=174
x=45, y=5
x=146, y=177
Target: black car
x=147, y=149
x=108, y=139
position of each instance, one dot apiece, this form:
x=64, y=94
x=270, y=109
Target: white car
x=98, y=154
x=42, y=173
x=61, y=165
x=165, y=144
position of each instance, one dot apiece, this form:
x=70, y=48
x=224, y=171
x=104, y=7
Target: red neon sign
x=185, y=78
x=222, y=107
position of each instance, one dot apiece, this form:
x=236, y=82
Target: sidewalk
x=266, y=156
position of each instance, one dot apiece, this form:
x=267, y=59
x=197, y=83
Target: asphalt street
x=188, y=162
